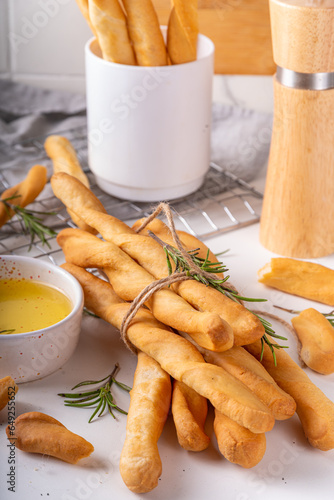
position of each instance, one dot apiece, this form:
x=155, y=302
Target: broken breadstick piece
x=183, y=31
x=110, y=26
x=145, y=33
x=140, y=463
x=305, y=279
x=238, y=444
x=314, y=409
x=189, y=411
x=316, y=336
x=8, y=389
x=37, y=432
x=25, y=192
x=64, y=159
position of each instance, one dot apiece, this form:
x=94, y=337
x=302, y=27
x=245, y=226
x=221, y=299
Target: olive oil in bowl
x=28, y=305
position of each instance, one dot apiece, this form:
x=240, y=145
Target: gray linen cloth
x=240, y=138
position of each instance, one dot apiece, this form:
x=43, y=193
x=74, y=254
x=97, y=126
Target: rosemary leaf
x=31, y=224
x=100, y=397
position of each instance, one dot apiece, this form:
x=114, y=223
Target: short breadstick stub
x=8, y=389
x=36, y=432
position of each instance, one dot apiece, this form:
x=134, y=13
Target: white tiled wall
x=42, y=43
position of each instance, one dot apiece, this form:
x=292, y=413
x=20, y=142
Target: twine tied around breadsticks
x=175, y=277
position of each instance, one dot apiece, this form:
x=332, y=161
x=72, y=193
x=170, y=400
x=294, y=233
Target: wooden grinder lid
x=303, y=35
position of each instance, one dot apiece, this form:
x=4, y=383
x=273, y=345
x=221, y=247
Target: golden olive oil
x=28, y=305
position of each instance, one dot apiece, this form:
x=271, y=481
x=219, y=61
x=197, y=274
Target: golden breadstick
x=37, y=432
x=189, y=411
x=129, y=279
x=190, y=242
x=64, y=159
x=316, y=336
x=315, y=410
x=109, y=22
x=26, y=192
x=183, y=31
x=243, y=366
x=306, y=279
x=176, y=355
x=246, y=326
x=237, y=444
x=8, y=389
x=147, y=252
x=83, y=6
x=145, y=33
x=140, y=463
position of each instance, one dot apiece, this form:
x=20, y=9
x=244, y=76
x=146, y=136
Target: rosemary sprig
x=30, y=222
x=5, y=332
x=90, y=313
x=181, y=265
x=100, y=398
x=329, y=316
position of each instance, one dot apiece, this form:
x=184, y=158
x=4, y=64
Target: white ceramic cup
x=149, y=127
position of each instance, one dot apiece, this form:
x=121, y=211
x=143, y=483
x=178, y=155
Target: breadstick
x=140, y=463
x=176, y=355
x=183, y=31
x=190, y=242
x=189, y=411
x=129, y=279
x=64, y=159
x=26, y=192
x=110, y=26
x=316, y=336
x=145, y=33
x=243, y=366
x=246, y=327
x=314, y=409
x=36, y=432
x=237, y=444
x=83, y=6
x=8, y=389
x=306, y=279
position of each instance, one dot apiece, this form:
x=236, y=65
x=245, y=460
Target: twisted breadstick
x=145, y=33
x=176, y=355
x=315, y=410
x=183, y=31
x=243, y=366
x=237, y=444
x=25, y=192
x=140, y=463
x=64, y=159
x=189, y=411
x=110, y=27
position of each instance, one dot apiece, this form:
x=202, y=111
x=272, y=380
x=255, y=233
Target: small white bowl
x=33, y=355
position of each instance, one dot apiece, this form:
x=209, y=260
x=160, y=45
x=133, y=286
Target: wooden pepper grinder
x=298, y=209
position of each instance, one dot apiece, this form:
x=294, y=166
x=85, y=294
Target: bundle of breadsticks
x=128, y=31
x=208, y=344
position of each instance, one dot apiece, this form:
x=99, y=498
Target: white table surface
x=290, y=469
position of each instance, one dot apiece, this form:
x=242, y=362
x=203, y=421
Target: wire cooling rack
x=224, y=202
